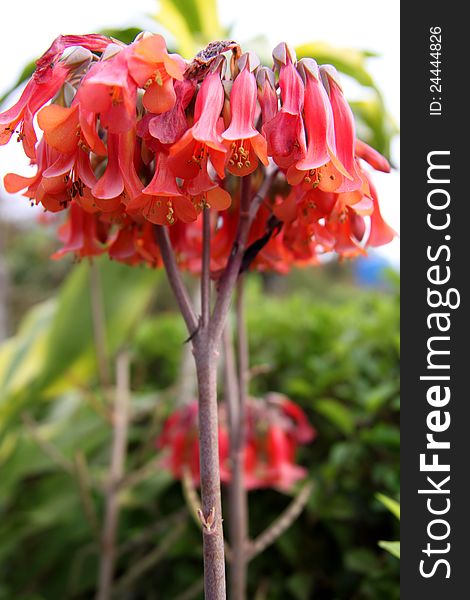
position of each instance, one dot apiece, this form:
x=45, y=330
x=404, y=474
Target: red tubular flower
x=282, y=472
x=247, y=144
x=52, y=69
x=380, y=232
x=371, y=156
x=168, y=127
x=274, y=427
x=345, y=131
x=285, y=132
x=153, y=68
x=82, y=234
x=110, y=91
x=267, y=96
x=203, y=138
x=111, y=183
x=179, y=438
x=318, y=119
x=319, y=167
x=162, y=201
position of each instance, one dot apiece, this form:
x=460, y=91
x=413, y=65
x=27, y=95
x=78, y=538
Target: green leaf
x=392, y=505
x=350, y=61
x=54, y=348
x=375, y=125
x=173, y=20
x=301, y=585
x=209, y=19
x=21, y=356
x=192, y=23
x=338, y=414
x=361, y=560
x=70, y=350
x=392, y=547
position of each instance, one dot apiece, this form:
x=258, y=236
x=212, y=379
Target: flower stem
x=238, y=507
x=211, y=517
x=116, y=471
x=175, y=279
x=239, y=543
x=205, y=275
x=205, y=335
x=206, y=358
x=248, y=208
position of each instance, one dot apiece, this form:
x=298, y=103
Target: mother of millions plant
x=215, y=166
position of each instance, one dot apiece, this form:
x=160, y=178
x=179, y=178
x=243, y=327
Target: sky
x=28, y=28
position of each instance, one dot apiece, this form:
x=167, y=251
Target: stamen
x=158, y=77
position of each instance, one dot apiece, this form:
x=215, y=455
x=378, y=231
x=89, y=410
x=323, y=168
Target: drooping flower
x=179, y=438
x=133, y=163
x=371, y=156
x=154, y=69
x=274, y=428
x=162, y=201
x=204, y=137
x=267, y=96
x=52, y=70
x=246, y=144
x=109, y=90
x=82, y=234
x=345, y=131
x=285, y=132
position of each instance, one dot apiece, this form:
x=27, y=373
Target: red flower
x=203, y=138
x=345, y=131
x=110, y=91
x=162, y=200
x=274, y=429
x=52, y=69
x=153, y=68
x=267, y=96
x=247, y=144
x=82, y=234
x=285, y=132
x=179, y=438
x=131, y=159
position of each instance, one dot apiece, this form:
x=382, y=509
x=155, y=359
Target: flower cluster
x=274, y=427
x=134, y=136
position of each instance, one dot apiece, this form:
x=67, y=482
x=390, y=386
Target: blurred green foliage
x=336, y=356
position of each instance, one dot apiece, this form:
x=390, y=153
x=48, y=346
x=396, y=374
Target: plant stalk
x=205, y=334
x=238, y=509
x=116, y=471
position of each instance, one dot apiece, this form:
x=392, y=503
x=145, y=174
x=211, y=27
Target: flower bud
x=283, y=54
x=76, y=56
